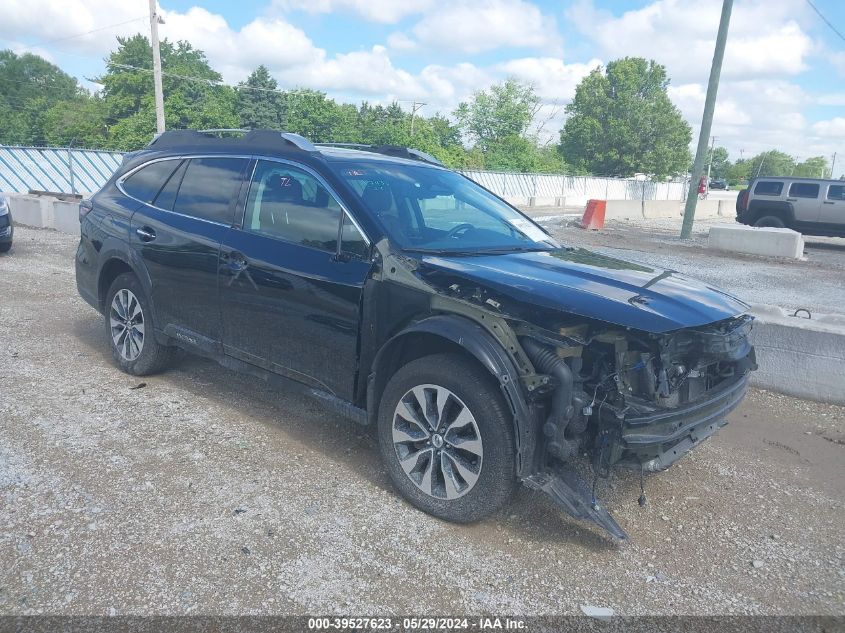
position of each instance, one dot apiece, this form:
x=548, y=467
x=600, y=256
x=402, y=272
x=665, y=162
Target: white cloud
x=833, y=129
x=475, y=26
x=765, y=36
x=383, y=11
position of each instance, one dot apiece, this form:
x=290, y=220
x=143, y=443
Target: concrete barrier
x=45, y=212
x=770, y=242
x=800, y=357
x=623, y=210
x=546, y=201
x=705, y=208
x=661, y=209
x=727, y=208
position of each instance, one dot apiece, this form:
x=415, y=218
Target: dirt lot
x=208, y=492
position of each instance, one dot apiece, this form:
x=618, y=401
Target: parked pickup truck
x=807, y=205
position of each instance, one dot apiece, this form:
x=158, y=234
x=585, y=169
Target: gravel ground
x=815, y=283
x=203, y=491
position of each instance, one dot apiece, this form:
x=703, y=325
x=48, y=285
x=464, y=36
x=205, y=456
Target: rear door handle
x=792, y=199
x=827, y=202
x=145, y=233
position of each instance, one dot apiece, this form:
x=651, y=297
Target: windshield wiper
x=481, y=251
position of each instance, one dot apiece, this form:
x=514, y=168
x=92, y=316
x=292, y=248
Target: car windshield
x=432, y=210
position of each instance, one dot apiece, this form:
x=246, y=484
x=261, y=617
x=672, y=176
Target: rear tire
x=450, y=452
x=770, y=221
x=130, y=329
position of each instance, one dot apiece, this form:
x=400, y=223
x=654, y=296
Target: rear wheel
x=770, y=221
x=129, y=324
x=446, y=438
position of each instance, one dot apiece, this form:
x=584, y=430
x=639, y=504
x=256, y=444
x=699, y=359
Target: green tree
x=260, y=106
x=79, y=122
x=29, y=87
x=815, y=167
x=771, y=163
x=719, y=163
x=622, y=122
x=504, y=112
x=193, y=96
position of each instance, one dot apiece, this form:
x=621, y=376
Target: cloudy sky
x=783, y=80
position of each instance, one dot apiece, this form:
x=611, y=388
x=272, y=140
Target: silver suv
x=807, y=205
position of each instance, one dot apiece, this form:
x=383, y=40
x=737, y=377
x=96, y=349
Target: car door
x=178, y=237
x=833, y=206
x=804, y=197
x=290, y=289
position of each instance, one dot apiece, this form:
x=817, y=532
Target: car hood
x=582, y=282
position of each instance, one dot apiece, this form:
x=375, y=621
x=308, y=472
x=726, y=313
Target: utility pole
x=832, y=164
x=707, y=118
x=414, y=107
x=710, y=162
x=159, y=96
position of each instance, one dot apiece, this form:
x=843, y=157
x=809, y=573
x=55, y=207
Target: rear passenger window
x=145, y=183
x=836, y=192
x=804, y=190
x=208, y=188
x=768, y=188
x=290, y=204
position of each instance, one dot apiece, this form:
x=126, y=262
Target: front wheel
x=129, y=324
x=446, y=438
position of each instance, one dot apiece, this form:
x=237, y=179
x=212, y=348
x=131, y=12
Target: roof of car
x=798, y=179
x=283, y=144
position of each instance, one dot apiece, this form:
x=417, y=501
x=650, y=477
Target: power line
x=97, y=30
x=826, y=21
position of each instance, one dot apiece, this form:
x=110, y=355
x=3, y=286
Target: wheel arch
x=760, y=208
x=453, y=333
x=115, y=263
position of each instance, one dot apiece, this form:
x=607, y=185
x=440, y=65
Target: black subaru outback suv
x=406, y=296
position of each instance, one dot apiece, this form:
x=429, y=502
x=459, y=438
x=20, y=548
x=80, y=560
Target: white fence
x=576, y=189
x=67, y=170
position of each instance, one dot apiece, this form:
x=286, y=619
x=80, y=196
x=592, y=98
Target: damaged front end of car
x=595, y=394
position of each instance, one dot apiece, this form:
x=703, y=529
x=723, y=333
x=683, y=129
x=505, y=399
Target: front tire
x=5, y=247
x=129, y=326
x=446, y=438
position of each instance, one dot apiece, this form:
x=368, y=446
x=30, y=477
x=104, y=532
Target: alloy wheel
x=126, y=319
x=437, y=442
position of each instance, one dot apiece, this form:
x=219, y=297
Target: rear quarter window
x=768, y=188
x=804, y=190
x=145, y=183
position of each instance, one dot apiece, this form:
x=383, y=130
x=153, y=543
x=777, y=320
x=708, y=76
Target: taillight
x=85, y=207
x=744, y=202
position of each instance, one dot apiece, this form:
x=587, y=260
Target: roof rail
x=265, y=139
x=389, y=150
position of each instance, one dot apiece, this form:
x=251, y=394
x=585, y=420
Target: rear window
x=145, y=183
x=804, y=190
x=768, y=188
x=208, y=188
x=836, y=192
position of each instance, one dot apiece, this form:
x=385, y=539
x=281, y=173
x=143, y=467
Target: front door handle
x=145, y=233
x=827, y=202
x=792, y=199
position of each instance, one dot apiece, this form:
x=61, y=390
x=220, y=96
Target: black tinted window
x=145, y=183
x=167, y=196
x=291, y=204
x=351, y=240
x=804, y=190
x=836, y=192
x=208, y=188
x=768, y=188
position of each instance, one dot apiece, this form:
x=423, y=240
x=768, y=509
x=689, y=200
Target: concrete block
x=705, y=208
x=727, y=208
x=26, y=209
x=770, y=242
x=662, y=209
x=623, y=210
x=800, y=357
x=542, y=201
x=66, y=217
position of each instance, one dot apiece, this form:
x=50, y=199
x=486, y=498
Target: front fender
x=481, y=345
